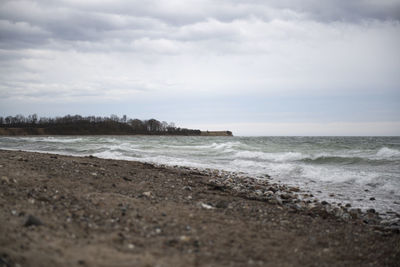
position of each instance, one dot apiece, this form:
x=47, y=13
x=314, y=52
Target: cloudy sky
x=279, y=67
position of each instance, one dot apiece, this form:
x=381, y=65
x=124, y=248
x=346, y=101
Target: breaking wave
x=352, y=169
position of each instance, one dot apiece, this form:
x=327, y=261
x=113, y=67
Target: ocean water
x=336, y=169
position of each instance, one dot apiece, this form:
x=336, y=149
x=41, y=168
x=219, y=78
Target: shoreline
x=110, y=135
x=294, y=196
x=29, y=132
x=151, y=214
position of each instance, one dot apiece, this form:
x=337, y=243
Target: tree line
x=76, y=124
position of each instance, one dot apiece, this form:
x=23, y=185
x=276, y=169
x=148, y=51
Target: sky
x=255, y=67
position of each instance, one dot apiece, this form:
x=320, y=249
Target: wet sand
x=74, y=211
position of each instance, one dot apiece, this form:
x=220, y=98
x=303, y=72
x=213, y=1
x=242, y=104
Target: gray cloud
x=72, y=51
x=38, y=22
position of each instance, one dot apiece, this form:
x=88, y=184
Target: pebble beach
x=85, y=211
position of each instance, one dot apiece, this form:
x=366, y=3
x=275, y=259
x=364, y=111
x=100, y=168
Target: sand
x=85, y=211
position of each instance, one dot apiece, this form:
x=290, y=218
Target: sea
x=361, y=171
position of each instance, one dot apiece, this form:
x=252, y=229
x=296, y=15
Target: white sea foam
x=388, y=153
x=51, y=139
x=277, y=157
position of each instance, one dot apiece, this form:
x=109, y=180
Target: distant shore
x=85, y=211
x=45, y=132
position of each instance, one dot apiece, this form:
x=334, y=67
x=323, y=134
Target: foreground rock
x=136, y=214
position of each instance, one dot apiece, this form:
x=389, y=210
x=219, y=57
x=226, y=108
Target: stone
x=391, y=221
x=258, y=193
x=371, y=198
x=184, y=238
x=294, y=189
x=278, y=200
x=222, y=204
x=286, y=196
x=354, y=213
x=4, y=179
x=269, y=193
x=206, y=206
x=146, y=194
x=3, y=262
x=32, y=220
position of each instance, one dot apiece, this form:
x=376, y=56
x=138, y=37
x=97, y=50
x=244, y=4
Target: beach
x=85, y=211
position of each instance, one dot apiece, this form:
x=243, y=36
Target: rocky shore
x=85, y=211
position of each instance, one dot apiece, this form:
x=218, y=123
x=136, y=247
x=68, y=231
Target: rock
x=371, y=198
x=294, y=189
x=269, y=193
x=278, y=200
x=3, y=262
x=184, y=238
x=286, y=196
x=32, y=220
x=297, y=207
x=324, y=203
x=391, y=221
x=354, y=213
x=206, y=206
x=4, y=179
x=222, y=204
x=146, y=194
x=273, y=189
x=395, y=229
x=348, y=205
x=258, y=193
x=371, y=211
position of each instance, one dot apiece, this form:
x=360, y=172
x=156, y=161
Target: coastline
x=26, y=132
x=102, y=212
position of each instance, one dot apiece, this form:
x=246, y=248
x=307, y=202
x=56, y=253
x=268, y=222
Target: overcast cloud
x=258, y=67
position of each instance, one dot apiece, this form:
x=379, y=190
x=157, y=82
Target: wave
x=343, y=160
x=276, y=157
x=388, y=153
x=51, y=139
x=228, y=146
x=383, y=155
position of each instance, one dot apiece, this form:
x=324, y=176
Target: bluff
x=216, y=133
